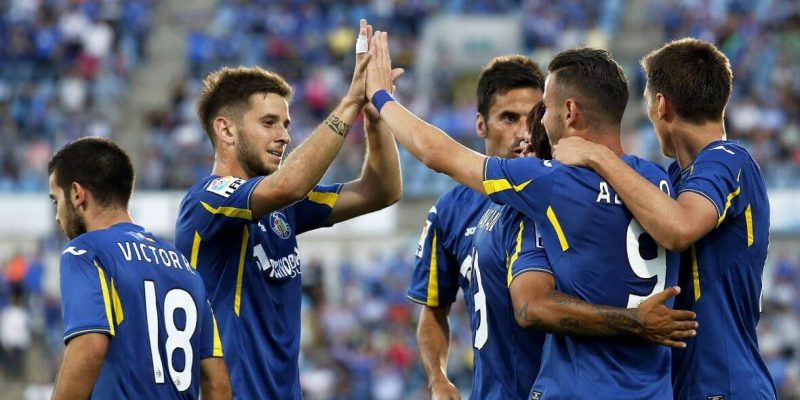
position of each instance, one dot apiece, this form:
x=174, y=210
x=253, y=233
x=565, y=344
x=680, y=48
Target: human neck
x=609, y=138
x=688, y=140
x=227, y=165
x=105, y=218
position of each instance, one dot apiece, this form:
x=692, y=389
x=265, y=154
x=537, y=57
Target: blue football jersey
x=507, y=357
x=124, y=282
x=251, y=269
x=721, y=279
x=445, y=246
x=599, y=254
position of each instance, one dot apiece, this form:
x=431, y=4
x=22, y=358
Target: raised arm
x=83, y=359
x=675, y=224
x=307, y=164
x=424, y=141
x=380, y=184
x=538, y=305
x=433, y=338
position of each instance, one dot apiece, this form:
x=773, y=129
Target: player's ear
x=663, y=107
x=224, y=130
x=480, y=125
x=570, y=112
x=77, y=195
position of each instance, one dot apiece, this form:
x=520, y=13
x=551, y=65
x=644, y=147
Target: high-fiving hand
x=379, y=70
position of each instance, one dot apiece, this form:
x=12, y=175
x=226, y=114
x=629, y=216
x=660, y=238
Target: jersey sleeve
x=522, y=183
x=313, y=211
x=85, y=293
x=227, y=201
x=434, y=281
x=715, y=175
x=211, y=345
x=527, y=251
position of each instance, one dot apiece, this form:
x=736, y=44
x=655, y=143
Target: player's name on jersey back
x=150, y=253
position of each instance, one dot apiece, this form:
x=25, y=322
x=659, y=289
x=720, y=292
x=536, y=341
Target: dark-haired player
x=238, y=226
x=508, y=87
x=137, y=324
x=597, y=251
x=720, y=219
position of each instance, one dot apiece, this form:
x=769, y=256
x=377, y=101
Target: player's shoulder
x=459, y=195
x=646, y=168
x=726, y=152
x=84, y=246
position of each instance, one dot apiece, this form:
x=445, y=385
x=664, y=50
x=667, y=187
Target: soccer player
x=136, y=320
x=508, y=87
x=598, y=253
x=238, y=225
x=720, y=219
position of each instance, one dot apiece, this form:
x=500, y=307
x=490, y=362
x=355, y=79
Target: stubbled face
x=67, y=216
x=658, y=126
x=263, y=134
x=506, y=126
x=552, y=121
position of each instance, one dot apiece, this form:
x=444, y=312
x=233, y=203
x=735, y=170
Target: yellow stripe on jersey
x=498, y=185
x=731, y=196
x=433, y=277
x=106, y=298
x=695, y=274
x=328, y=199
x=228, y=211
x=195, y=249
x=748, y=219
x=517, y=250
x=119, y=316
x=509, y=276
x=551, y=215
x=237, y=299
x=217, y=352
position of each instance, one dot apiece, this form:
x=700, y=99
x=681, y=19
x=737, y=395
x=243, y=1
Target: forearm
x=434, y=148
x=563, y=314
x=660, y=215
x=433, y=338
x=381, y=172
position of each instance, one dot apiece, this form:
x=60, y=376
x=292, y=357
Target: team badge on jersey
x=279, y=225
x=224, y=186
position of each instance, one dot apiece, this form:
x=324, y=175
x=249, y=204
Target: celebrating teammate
x=125, y=292
x=599, y=254
x=507, y=89
x=720, y=219
x=238, y=225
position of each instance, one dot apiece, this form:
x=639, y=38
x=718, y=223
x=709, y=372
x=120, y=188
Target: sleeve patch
x=224, y=186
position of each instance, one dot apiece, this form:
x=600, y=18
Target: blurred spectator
x=15, y=336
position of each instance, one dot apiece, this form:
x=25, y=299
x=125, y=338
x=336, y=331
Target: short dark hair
x=98, y=164
x=695, y=75
x=505, y=73
x=228, y=90
x=539, y=139
x=595, y=79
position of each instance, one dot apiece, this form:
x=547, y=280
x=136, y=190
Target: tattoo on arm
x=579, y=318
x=337, y=125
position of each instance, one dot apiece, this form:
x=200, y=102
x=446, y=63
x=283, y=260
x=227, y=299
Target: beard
x=74, y=225
x=249, y=158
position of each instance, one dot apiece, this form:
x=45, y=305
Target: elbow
x=680, y=239
x=528, y=315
